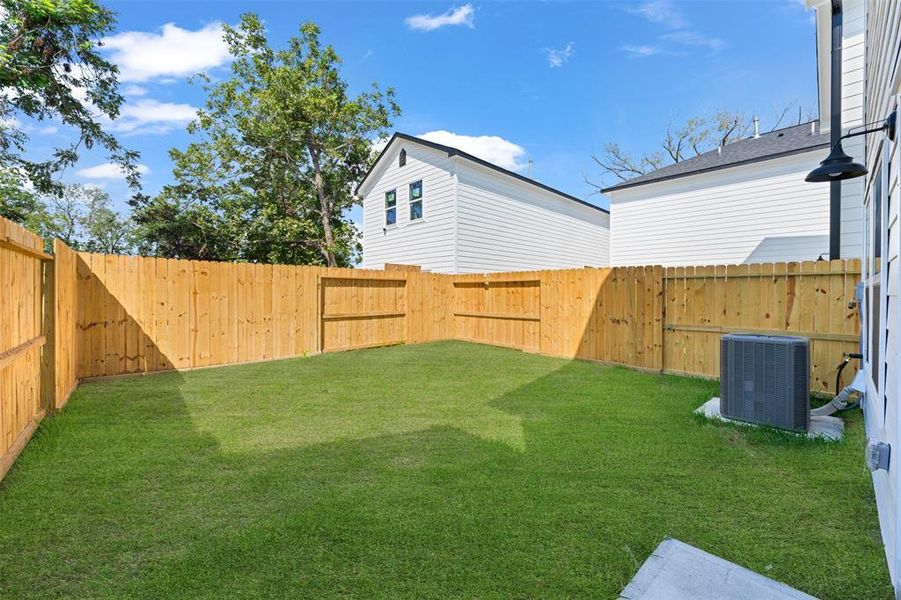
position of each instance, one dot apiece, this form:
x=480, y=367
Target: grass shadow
x=135, y=490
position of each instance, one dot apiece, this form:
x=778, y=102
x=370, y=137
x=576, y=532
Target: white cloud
x=463, y=15
x=665, y=13
x=659, y=11
x=152, y=116
x=492, y=148
x=379, y=144
x=173, y=52
x=135, y=90
x=641, y=51
x=691, y=38
x=107, y=171
x=10, y=122
x=557, y=58
x=48, y=130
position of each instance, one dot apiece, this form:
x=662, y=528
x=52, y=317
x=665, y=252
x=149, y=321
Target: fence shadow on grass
x=124, y=494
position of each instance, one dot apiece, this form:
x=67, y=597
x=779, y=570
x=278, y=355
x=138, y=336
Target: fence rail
x=83, y=315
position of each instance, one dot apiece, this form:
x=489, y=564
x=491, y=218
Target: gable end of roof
x=451, y=152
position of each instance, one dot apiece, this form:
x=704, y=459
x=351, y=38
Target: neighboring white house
x=750, y=203
x=746, y=202
x=447, y=211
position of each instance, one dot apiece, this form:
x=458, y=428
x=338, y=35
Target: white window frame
x=388, y=208
x=411, y=201
x=870, y=277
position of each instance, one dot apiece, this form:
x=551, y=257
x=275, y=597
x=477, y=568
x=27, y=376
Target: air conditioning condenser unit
x=765, y=379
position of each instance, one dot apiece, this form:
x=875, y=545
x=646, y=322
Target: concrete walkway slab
x=677, y=571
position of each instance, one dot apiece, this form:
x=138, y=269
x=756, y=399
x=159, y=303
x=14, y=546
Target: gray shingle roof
x=774, y=144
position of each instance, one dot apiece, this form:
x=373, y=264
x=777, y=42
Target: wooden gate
x=500, y=311
x=361, y=312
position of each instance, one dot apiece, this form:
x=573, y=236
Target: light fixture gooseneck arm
x=838, y=165
x=888, y=125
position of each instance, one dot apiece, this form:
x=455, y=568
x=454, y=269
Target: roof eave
x=759, y=159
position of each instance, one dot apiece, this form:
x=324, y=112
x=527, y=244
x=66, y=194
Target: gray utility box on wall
x=765, y=379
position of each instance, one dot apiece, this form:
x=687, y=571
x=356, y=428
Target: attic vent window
x=402, y=159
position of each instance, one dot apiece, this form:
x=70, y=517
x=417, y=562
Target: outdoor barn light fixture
x=838, y=165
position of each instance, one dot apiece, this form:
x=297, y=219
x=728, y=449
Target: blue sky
x=541, y=80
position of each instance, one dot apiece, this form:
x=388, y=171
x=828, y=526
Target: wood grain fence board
x=64, y=328
x=808, y=298
x=27, y=311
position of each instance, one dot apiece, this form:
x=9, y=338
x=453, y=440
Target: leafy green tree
x=105, y=230
x=83, y=217
x=19, y=203
x=281, y=146
x=168, y=226
x=65, y=214
x=50, y=68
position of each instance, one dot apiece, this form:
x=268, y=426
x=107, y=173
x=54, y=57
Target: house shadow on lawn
x=135, y=491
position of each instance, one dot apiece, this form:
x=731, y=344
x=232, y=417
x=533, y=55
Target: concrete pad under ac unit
x=827, y=428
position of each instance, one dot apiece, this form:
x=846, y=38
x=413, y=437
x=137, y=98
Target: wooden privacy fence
x=36, y=357
x=139, y=314
x=500, y=310
x=73, y=315
x=810, y=299
x=147, y=314
x=670, y=319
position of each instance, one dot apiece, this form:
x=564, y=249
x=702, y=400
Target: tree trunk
x=325, y=211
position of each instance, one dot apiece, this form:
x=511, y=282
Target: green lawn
x=442, y=470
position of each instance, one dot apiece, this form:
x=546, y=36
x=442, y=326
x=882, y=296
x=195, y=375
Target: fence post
x=659, y=290
x=48, y=323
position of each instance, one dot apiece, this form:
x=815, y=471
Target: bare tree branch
x=694, y=137
x=616, y=162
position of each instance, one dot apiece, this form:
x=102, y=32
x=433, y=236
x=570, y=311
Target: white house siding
x=427, y=242
x=883, y=158
x=762, y=212
x=854, y=25
x=510, y=225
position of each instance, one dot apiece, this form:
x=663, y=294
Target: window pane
x=415, y=190
x=877, y=220
x=391, y=216
x=875, y=367
x=390, y=198
x=415, y=210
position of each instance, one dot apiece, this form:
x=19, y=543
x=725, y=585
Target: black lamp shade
x=836, y=166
